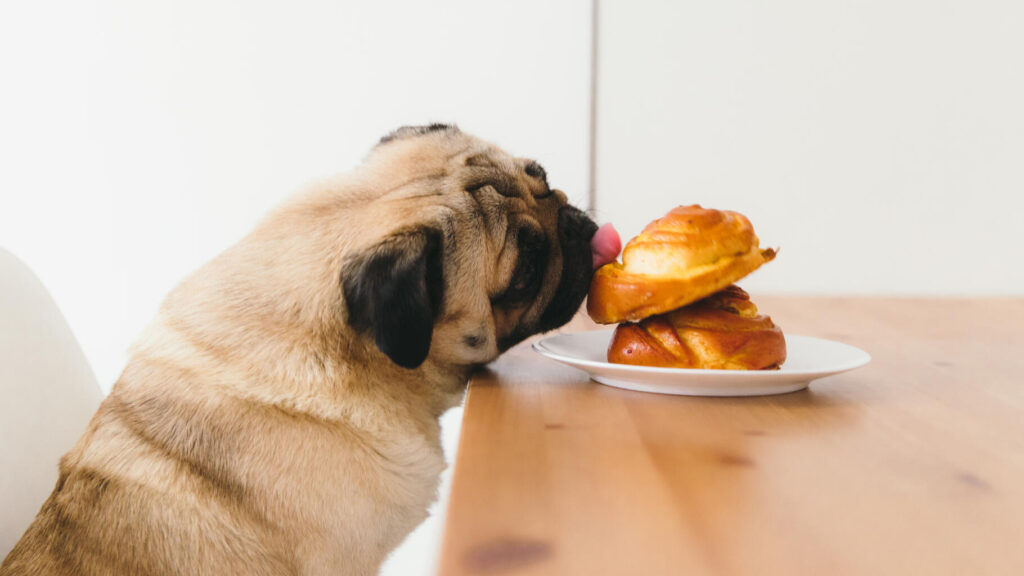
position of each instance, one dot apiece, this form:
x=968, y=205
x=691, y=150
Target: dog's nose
x=574, y=224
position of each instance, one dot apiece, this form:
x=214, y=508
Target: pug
x=280, y=414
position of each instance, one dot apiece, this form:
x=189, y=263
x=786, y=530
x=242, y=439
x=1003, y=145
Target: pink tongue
x=605, y=245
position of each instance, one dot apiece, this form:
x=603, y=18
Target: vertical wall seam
x=592, y=152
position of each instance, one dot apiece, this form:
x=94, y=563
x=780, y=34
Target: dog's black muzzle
x=575, y=229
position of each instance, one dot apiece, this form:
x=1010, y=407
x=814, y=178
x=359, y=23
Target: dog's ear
x=395, y=290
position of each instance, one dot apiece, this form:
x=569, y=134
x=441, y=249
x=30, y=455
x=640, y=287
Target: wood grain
x=911, y=465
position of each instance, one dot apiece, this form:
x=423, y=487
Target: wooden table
x=911, y=465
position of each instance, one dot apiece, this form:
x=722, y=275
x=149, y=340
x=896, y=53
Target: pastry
x=723, y=331
x=689, y=254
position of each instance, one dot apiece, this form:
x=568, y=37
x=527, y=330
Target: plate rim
x=539, y=347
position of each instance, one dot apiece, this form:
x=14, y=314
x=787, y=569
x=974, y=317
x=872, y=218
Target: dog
x=280, y=414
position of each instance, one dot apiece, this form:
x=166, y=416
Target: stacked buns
x=674, y=295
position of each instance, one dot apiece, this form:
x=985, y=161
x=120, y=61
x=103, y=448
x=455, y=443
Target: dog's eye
x=525, y=273
x=524, y=280
x=529, y=269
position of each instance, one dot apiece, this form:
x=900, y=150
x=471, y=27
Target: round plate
x=807, y=359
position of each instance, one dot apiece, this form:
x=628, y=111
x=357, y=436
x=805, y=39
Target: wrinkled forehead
x=435, y=147
x=440, y=159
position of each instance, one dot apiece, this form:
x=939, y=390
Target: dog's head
x=463, y=250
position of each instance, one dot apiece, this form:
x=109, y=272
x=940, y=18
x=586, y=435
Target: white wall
x=138, y=139
x=879, y=143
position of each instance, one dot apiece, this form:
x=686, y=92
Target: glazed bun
x=689, y=254
x=723, y=331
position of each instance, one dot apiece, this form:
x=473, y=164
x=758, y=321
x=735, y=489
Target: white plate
x=807, y=359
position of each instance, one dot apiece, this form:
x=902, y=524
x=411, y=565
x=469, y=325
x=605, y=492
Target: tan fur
x=253, y=431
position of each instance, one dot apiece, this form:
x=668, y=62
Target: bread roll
x=689, y=254
x=723, y=331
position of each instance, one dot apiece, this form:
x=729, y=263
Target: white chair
x=47, y=395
